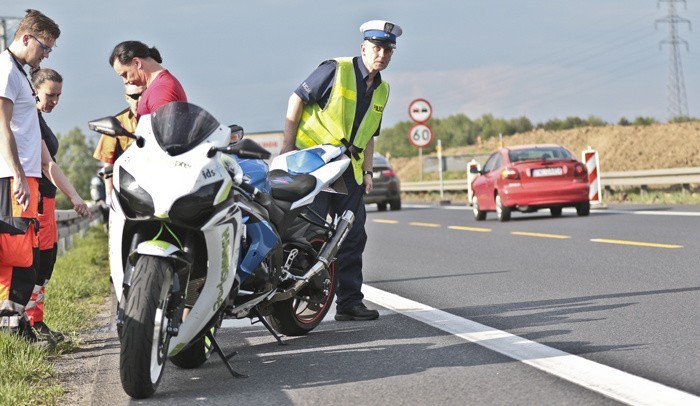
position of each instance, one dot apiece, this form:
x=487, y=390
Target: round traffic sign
x=420, y=135
x=420, y=110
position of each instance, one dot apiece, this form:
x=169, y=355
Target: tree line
x=75, y=153
x=74, y=156
x=460, y=130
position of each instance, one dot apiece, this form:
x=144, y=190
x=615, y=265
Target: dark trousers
x=348, y=264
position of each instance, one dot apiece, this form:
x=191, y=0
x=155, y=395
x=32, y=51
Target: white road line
x=571, y=210
x=610, y=382
x=654, y=213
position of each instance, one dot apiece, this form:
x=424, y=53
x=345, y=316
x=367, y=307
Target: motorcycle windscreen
x=180, y=126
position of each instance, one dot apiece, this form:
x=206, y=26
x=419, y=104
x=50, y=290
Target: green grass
x=78, y=288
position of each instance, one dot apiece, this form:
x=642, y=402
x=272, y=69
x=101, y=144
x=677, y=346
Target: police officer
x=342, y=102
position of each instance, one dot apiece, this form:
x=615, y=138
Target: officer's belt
x=352, y=151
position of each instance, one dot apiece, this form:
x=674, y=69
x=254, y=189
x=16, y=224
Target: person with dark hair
x=20, y=169
x=110, y=148
x=48, y=84
x=139, y=65
x=341, y=103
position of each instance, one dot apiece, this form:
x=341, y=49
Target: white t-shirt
x=25, y=120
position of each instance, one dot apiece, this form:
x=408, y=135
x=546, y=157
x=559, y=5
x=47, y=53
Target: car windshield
x=538, y=154
x=180, y=126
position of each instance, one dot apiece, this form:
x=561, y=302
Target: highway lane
x=629, y=307
x=633, y=307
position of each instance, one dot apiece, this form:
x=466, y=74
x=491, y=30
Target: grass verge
x=78, y=288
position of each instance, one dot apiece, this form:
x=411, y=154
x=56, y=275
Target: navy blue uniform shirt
x=317, y=89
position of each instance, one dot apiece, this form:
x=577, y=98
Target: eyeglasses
x=134, y=96
x=43, y=46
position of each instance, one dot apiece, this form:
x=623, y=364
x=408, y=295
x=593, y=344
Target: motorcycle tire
x=196, y=354
x=304, y=312
x=144, y=340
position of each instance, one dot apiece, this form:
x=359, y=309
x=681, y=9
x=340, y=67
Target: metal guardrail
x=677, y=176
x=70, y=223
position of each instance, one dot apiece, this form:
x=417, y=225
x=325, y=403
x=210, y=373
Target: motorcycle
x=176, y=238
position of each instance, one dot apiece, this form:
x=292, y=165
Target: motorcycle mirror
x=109, y=126
x=248, y=148
x=245, y=148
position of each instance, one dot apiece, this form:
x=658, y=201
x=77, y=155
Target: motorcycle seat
x=290, y=187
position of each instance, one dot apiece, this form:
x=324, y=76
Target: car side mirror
x=474, y=170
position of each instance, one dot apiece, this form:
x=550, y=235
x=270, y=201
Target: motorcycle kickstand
x=268, y=327
x=224, y=357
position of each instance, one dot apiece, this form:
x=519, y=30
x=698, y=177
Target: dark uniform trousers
x=348, y=265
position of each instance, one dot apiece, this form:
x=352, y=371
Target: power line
x=677, y=102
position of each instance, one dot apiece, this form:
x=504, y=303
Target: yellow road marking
x=559, y=236
x=386, y=221
x=480, y=230
x=424, y=224
x=637, y=243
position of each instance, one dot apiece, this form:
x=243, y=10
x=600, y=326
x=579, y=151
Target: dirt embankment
x=620, y=148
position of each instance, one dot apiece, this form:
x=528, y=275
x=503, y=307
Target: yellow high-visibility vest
x=334, y=122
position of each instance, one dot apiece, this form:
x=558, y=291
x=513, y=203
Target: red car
x=528, y=178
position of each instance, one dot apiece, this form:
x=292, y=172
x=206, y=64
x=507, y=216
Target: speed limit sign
x=420, y=135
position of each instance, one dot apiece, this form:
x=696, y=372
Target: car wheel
x=395, y=205
x=479, y=215
x=381, y=206
x=583, y=209
x=502, y=212
x=556, y=211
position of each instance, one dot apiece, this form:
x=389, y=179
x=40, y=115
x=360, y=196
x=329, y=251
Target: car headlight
x=197, y=207
x=134, y=200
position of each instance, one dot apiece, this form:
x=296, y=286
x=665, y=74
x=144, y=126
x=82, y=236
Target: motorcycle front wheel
x=305, y=311
x=144, y=339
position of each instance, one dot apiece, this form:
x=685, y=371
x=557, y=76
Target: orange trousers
x=48, y=247
x=19, y=251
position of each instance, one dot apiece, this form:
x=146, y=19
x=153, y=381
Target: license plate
x=536, y=173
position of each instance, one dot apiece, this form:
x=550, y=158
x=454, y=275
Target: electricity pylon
x=677, y=102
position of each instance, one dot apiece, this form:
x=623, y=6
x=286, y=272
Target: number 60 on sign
x=420, y=135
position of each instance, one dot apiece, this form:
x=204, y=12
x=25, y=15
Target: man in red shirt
x=139, y=65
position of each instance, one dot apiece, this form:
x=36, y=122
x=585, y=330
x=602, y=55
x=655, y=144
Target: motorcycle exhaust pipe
x=325, y=257
x=341, y=231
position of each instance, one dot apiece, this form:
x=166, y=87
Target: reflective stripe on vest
x=334, y=122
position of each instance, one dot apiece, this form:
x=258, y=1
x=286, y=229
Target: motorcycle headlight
x=134, y=200
x=196, y=207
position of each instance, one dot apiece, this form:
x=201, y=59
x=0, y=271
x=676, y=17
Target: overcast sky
x=240, y=60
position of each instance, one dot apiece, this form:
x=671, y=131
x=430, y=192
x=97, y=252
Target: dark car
x=386, y=185
x=528, y=178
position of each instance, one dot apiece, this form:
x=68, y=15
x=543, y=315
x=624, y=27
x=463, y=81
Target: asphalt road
x=574, y=310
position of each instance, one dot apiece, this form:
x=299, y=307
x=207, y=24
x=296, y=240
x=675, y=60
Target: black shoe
x=42, y=330
x=27, y=332
x=357, y=312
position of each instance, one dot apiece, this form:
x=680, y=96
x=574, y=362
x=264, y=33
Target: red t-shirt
x=163, y=90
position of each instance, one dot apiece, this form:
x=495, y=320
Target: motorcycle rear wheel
x=304, y=312
x=144, y=339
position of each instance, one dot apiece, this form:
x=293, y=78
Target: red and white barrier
x=590, y=158
x=470, y=178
